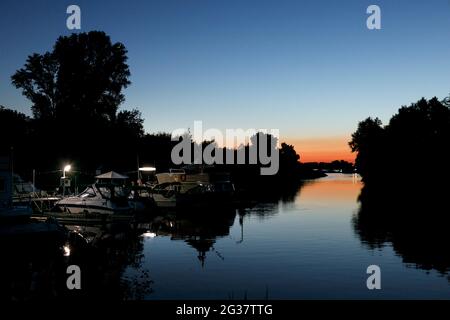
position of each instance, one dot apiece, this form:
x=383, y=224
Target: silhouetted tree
x=419, y=136
x=14, y=127
x=410, y=152
x=404, y=198
x=289, y=160
x=155, y=150
x=368, y=141
x=75, y=91
x=83, y=76
x=131, y=122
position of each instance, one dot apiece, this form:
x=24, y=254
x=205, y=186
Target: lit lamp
x=66, y=169
x=144, y=169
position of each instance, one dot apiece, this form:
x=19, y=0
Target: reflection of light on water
x=149, y=235
x=66, y=251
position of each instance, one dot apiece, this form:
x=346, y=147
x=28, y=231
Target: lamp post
x=145, y=169
x=66, y=169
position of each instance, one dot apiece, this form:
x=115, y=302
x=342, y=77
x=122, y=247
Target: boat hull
x=79, y=207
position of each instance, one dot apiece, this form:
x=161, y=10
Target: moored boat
x=177, y=189
x=98, y=198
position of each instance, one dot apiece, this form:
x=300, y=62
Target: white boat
x=192, y=194
x=167, y=194
x=97, y=198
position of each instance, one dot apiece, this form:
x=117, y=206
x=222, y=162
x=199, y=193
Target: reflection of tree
x=198, y=229
x=201, y=229
x=138, y=286
x=417, y=228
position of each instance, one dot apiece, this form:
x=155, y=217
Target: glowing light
x=67, y=168
x=66, y=250
x=149, y=235
x=147, y=169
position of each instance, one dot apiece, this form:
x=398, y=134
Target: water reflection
x=201, y=229
x=197, y=231
x=293, y=245
x=32, y=261
x=103, y=252
x=414, y=223
x=36, y=268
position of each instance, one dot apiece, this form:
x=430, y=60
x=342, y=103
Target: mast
x=138, y=171
x=11, y=160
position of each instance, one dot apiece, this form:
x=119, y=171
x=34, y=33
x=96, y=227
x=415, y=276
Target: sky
x=311, y=69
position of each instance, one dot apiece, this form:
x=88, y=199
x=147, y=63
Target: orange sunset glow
x=338, y=191
x=322, y=149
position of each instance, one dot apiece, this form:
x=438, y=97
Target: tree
x=419, y=136
x=15, y=134
x=131, y=122
x=412, y=147
x=75, y=91
x=288, y=153
x=83, y=76
x=37, y=79
x=368, y=142
x=14, y=127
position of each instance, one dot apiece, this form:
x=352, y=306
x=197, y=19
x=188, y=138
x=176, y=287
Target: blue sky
x=309, y=68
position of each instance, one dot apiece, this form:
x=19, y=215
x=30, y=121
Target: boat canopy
x=112, y=175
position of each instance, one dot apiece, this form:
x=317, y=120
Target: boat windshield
x=120, y=191
x=109, y=192
x=88, y=193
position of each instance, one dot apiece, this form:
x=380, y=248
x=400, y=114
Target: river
x=305, y=247
x=314, y=243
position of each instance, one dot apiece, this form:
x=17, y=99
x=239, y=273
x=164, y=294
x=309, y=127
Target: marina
x=115, y=196
x=223, y=152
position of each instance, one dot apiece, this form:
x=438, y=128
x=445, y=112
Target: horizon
x=248, y=65
x=207, y=153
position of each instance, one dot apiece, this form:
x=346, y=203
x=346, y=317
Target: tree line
x=408, y=156
x=75, y=91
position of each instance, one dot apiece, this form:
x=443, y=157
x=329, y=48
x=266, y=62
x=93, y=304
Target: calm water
x=313, y=244
x=307, y=247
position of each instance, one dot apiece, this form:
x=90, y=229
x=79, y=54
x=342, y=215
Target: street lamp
x=66, y=169
x=144, y=169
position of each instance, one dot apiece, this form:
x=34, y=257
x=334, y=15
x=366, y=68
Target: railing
x=38, y=201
